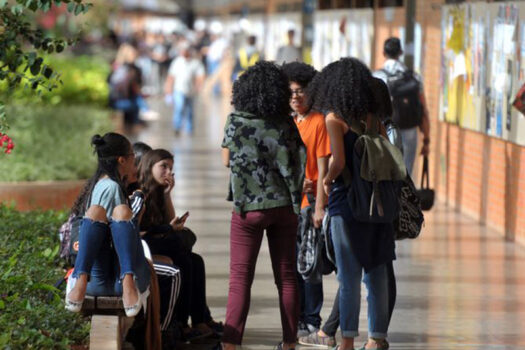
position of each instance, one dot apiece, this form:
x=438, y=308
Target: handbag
x=425, y=193
x=410, y=219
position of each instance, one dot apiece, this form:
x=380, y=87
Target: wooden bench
x=109, y=324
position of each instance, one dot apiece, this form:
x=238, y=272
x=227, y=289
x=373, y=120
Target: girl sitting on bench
x=110, y=257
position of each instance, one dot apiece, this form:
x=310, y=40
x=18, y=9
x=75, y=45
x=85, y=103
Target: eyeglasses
x=298, y=92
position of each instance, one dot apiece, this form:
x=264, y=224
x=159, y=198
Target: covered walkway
x=460, y=285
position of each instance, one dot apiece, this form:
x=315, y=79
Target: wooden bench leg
x=105, y=333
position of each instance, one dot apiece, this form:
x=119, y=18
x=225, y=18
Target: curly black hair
x=262, y=90
x=342, y=87
x=382, y=98
x=300, y=73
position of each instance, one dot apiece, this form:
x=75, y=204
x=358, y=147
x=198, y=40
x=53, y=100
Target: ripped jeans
x=107, y=252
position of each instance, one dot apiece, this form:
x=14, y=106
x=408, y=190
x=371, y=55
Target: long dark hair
x=382, y=98
x=154, y=193
x=108, y=149
x=343, y=87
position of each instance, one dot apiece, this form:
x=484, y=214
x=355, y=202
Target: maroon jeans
x=245, y=241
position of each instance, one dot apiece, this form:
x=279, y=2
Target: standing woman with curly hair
x=342, y=90
x=266, y=156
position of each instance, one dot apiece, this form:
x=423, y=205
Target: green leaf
x=31, y=57
x=17, y=9
x=71, y=6
x=3, y=3
x=78, y=9
x=35, y=67
x=47, y=72
x=2, y=305
x=46, y=6
x=47, y=252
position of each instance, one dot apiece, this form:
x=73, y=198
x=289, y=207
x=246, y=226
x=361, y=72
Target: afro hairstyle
x=382, y=98
x=300, y=73
x=343, y=88
x=262, y=90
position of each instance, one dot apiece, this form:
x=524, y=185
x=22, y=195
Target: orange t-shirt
x=315, y=138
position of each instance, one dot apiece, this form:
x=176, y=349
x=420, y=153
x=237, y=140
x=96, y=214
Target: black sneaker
x=218, y=327
x=217, y=347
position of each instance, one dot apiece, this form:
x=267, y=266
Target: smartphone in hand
x=183, y=217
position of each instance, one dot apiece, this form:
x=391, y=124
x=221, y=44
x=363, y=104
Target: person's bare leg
x=228, y=346
x=374, y=343
x=77, y=294
x=347, y=344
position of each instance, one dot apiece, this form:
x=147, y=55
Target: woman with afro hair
x=266, y=157
x=342, y=90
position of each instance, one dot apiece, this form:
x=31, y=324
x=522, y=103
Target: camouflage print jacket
x=267, y=162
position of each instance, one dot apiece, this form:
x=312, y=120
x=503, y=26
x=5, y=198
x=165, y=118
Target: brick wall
x=480, y=175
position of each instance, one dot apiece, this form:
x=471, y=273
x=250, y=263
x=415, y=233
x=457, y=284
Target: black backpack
x=404, y=88
x=69, y=234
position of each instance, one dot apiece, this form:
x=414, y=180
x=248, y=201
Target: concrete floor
x=460, y=285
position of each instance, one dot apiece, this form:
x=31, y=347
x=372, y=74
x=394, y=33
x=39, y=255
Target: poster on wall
x=499, y=120
x=483, y=67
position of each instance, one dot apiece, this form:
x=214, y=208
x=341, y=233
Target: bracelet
x=426, y=141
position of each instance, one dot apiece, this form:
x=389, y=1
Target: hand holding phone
x=183, y=217
x=178, y=222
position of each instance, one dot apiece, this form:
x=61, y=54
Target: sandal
x=381, y=345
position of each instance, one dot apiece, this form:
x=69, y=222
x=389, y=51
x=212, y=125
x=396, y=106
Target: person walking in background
x=185, y=78
x=343, y=90
x=125, y=84
x=266, y=157
x=311, y=126
x=247, y=56
x=289, y=52
x=215, y=53
x=408, y=98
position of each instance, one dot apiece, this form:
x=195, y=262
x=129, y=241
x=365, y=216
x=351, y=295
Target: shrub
x=32, y=314
x=84, y=82
x=52, y=142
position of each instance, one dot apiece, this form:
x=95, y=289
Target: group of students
x=112, y=258
x=292, y=133
x=289, y=145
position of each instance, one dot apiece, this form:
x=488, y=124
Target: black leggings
x=192, y=297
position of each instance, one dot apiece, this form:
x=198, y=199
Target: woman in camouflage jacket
x=264, y=151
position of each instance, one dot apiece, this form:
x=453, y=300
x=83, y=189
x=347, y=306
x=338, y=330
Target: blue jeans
x=212, y=67
x=349, y=272
x=183, y=110
x=409, y=139
x=107, y=265
x=311, y=296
